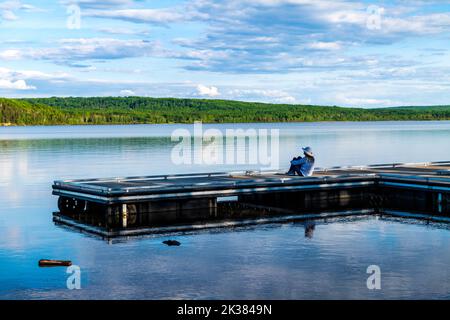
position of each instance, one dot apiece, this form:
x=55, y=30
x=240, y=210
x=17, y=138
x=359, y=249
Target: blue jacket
x=306, y=165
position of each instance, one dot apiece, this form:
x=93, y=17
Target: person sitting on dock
x=304, y=167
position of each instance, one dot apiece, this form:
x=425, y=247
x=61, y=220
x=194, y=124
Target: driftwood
x=54, y=263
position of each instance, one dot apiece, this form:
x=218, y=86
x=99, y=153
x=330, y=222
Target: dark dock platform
x=166, y=199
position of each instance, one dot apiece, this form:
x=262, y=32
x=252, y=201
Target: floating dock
x=155, y=201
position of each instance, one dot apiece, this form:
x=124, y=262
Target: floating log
x=54, y=263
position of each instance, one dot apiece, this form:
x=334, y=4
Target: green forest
x=140, y=110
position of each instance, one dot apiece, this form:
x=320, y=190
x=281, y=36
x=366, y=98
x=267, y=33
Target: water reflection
x=309, y=229
x=274, y=261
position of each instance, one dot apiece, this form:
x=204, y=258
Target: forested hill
x=134, y=110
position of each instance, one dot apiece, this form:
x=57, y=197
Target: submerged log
x=54, y=263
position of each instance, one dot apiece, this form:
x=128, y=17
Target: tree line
x=140, y=110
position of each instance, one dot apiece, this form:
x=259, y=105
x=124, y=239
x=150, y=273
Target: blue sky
x=329, y=52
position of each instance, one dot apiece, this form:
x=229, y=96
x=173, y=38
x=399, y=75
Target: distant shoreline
x=3, y=125
x=143, y=110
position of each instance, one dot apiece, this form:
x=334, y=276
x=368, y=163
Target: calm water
x=272, y=261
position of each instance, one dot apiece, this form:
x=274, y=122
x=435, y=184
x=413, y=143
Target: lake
x=274, y=261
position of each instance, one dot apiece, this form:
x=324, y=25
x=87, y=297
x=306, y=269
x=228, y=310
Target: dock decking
x=122, y=190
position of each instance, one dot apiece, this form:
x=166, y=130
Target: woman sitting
x=304, y=167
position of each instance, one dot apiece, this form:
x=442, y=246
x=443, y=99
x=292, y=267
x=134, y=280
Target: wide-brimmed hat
x=308, y=151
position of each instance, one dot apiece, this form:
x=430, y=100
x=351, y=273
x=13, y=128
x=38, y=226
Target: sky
x=322, y=52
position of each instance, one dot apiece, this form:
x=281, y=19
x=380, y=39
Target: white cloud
x=271, y=95
x=39, y=75
x=10, y=54
x=123, y=31
x=15, y=85
x=324, y=45
x=72, y=51
x=346, y=16
x=127, y=92
x=362, y=101
x=286, y=100
x=203, y=90
x=9, y=15
x=18, y=79
x=8, y=9
x=31, y=74
x=104, y=4
x=159, y=16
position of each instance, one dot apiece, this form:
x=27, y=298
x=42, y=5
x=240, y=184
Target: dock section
x=171, y=199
